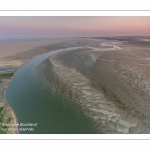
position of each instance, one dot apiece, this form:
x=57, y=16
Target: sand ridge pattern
x=111, y=86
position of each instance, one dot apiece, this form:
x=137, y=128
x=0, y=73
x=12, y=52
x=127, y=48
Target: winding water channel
x=33, y=101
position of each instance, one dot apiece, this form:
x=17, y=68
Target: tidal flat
x=109, y=79
x=92, y=85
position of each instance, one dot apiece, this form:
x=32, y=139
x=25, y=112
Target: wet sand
x=110, y=81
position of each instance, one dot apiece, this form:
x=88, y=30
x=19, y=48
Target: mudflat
x=109, y=79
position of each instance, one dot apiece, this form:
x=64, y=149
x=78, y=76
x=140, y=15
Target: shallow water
x=33, y=101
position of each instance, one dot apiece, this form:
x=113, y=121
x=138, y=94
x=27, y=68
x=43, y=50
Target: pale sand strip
x=11, y=48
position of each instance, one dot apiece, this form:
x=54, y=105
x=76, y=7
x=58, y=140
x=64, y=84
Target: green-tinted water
x=33, y=101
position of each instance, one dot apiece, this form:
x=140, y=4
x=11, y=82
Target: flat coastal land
x=15, y=53
x=108, y=77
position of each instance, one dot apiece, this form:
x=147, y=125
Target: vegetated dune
x=112, y=86
x=7, y=115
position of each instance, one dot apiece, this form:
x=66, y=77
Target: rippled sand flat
x=110, y=81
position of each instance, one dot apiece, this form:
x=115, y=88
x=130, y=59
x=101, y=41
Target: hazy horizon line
x=31, y=37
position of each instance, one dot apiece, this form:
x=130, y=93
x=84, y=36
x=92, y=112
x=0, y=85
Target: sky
x=71, y=26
